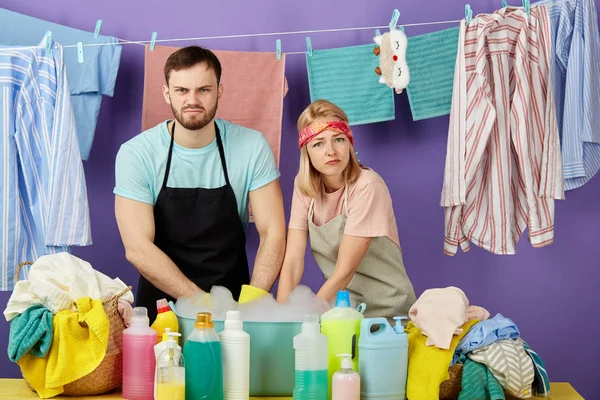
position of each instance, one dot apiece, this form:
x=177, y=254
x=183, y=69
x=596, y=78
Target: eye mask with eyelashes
x=392, y=69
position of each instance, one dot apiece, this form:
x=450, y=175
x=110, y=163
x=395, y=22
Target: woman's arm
x=293, y=263
x=351, y=252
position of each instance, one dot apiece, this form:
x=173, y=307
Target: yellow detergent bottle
x=170, y=372
x=341, y=325
x=166, y=318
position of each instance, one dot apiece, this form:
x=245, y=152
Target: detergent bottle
x=341, y=325
x=163, y=345
x=310, y=348
x=346, y=381
x=383, y=363
x=235, y=345
x=165, y=318
x=138, y=357
x=170, y=371
x=204, y=369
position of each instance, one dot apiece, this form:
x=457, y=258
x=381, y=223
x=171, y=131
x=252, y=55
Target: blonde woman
x=346, y=211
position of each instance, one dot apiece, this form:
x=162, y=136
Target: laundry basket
x=109, y=373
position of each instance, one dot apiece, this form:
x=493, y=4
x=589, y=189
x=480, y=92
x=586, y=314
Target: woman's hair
x=308, y=178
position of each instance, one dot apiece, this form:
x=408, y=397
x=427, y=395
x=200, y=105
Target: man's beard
x=198, y=121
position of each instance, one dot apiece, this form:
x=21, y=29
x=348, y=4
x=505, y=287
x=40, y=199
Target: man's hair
x=187, y=57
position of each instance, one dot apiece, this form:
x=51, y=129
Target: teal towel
x=478, y=383
x=346, y=77
x=541, y=382
x=30, y=332
x=431, y=59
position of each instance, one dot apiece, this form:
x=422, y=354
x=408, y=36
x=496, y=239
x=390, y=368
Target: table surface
x=17, y=389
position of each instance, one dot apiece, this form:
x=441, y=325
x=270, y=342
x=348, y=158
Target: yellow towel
x=78, y=347
x=428, y=365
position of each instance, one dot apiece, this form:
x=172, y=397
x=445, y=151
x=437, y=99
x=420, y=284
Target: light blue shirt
x=88, y=81
x=141, y=164
x=576, y=81
x=43, y=202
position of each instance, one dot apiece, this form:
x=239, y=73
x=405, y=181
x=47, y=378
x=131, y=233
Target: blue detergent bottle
x=383, y=362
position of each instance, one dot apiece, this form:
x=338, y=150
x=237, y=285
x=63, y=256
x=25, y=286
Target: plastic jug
x=165, y=318
x=138, y=357
x=235, y=345
x=170, y=371
x=346, y=381
x=310, y=348
x=341, y=325
x=383, y=364
x=204, y=369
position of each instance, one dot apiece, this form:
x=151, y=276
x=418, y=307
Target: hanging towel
x=78, y=347
x=88, y=81
x=346, y=77
x=431, y=58
x=428, y=365
x=478, y=383
x=30, y=332
x=254, y=86
x=541, y=382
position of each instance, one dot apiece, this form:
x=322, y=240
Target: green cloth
x=30, y=332
x=478, y=383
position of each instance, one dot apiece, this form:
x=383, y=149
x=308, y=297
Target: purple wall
x=548, y=292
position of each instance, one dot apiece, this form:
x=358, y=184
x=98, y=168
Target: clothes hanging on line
x=88, y=81
x=43, y=204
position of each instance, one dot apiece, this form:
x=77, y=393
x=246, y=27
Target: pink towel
x=126, y=312
x=476, y=312
x=440, y=313
x=254, y=86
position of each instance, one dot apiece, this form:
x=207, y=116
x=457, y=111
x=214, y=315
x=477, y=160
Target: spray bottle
x=346, y=381
x=170, y=372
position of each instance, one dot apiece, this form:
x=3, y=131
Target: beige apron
x=380, y=281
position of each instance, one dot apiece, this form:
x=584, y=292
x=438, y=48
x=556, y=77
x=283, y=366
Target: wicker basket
x=109, y=373
x=450, y=389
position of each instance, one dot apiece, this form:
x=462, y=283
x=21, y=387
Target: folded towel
x=30, y=332
x=541, y=382
x=431, y=58
x=78, y=347
x=478, y=383
x=254, y=87
x=346, y=77
x=428, y=365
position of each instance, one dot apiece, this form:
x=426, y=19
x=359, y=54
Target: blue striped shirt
x=576, y=80
x=43, y=202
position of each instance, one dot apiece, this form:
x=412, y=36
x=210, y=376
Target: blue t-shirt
x=88, y=81
x=142, y=161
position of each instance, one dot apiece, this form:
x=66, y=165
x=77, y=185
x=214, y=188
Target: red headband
x=310, y=131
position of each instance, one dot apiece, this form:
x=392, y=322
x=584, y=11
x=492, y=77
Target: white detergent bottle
x=346, y=381
x=311, y=361
x=235, y=347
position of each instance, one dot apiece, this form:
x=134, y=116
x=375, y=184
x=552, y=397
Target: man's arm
x=267, y=210
x=136, y=225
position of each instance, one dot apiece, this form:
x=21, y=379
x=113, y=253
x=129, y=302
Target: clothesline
x=143, y=42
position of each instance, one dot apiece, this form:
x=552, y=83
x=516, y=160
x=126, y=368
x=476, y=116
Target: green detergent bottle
x=341, y=325
x=204, y=369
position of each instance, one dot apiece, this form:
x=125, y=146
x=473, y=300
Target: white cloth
x=57, y=280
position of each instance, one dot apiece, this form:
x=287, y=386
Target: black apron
x=201, y=231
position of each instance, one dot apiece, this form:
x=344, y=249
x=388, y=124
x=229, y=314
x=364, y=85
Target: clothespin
x=527, y=6
x=48, y=42
x=504, y=3
x=401, y=27
x=80, y=52
x=278, y=49
x=394, y=21
x=97, y=30
x=153, y=40
x=308, y=47
x=468, y=14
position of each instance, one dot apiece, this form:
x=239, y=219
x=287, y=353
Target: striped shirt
x=503, y=162
x=576, y=44
x=43, y=201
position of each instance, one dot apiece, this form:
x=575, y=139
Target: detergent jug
x=383, y=363
x=341, y=325
x=165, y=318
x=310, y=357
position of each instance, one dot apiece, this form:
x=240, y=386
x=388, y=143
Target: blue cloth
x=541, y=382
x=43, y=199
x=485, y=333
x=431, y=59
x=88, y=81
x=141, y=163
x=346, y=77
x=576, y=81
x=30, y=332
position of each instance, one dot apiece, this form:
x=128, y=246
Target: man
x=182, y=192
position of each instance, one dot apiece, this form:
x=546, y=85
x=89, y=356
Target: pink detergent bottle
x=138, y=357
x=346, y=381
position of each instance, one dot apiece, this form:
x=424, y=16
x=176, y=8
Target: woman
x=346, y=210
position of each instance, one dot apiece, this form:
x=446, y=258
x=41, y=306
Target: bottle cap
x=204, y=320
x=162, y=306
x=342, y=299
x=233, y=320
x=398, y=328
x=140, y=316
x=346, y=361
x=172, y=342
x=311, y=323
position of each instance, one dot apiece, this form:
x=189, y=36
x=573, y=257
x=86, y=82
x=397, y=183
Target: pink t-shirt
x=370, y=211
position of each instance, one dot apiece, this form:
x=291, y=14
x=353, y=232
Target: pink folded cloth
x=440, y=313
x=126, y=312
x=476, y=312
